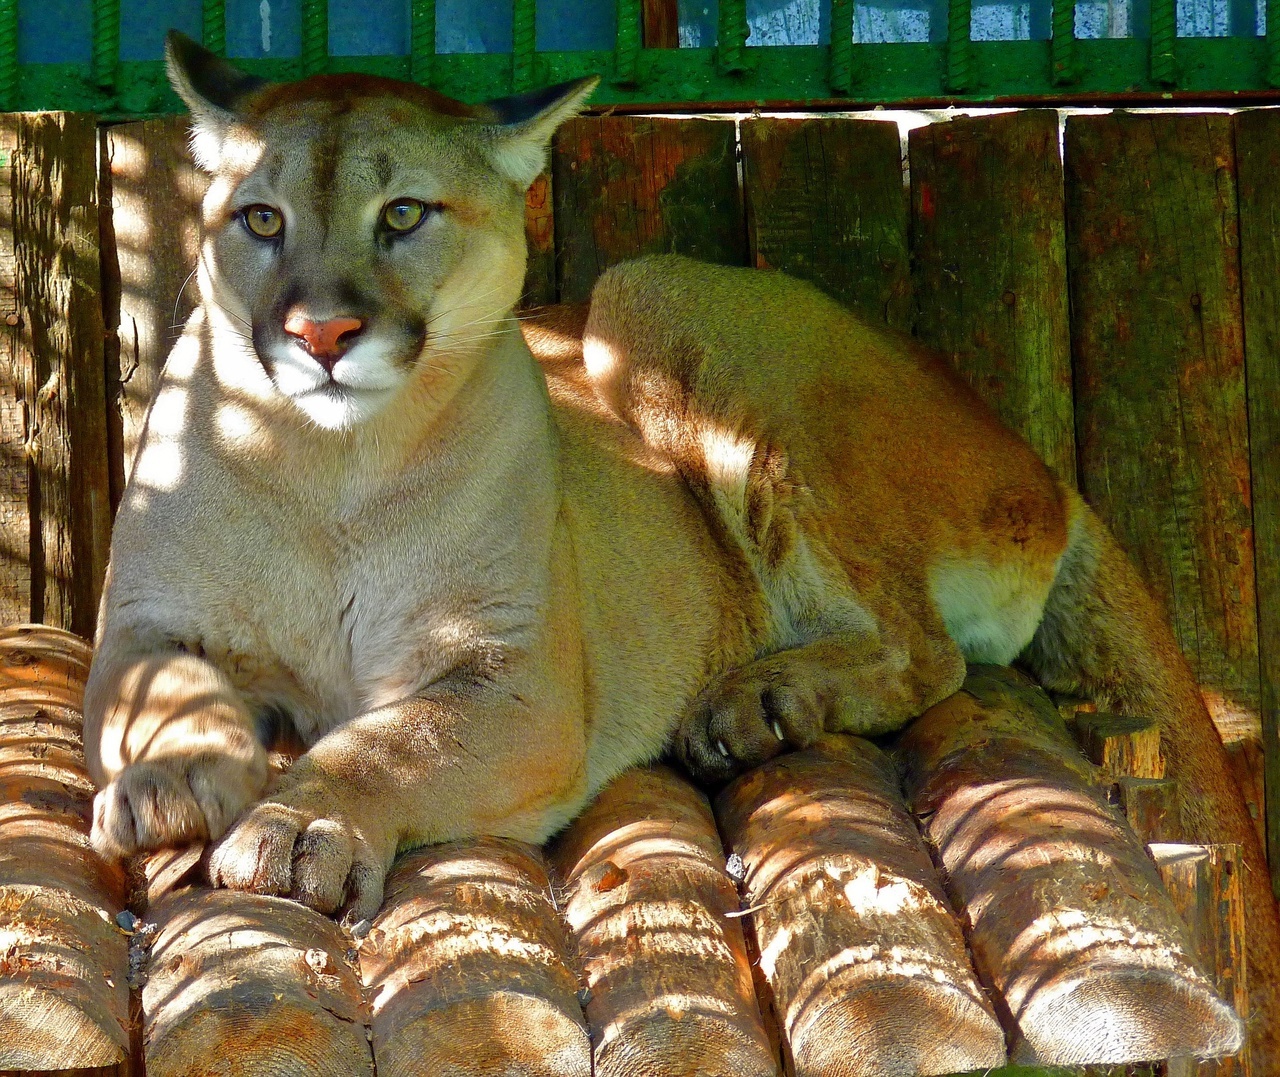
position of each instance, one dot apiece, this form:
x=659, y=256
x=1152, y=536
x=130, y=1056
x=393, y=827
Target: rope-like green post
x=8, y=54
x=1273, y=42
x=626, y=54
x=840, y=74
x=213, y=28
x=1164, y=36
x=315, y=36
x=422, y=41
x=1063, y=46
x=524, y=43
x=958, y=22
x=106, y=42
x=732, y=30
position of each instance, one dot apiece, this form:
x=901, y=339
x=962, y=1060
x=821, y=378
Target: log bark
x=240, y=984
x=867, y=965
x=647, y=897
x=825, y=203
x=629, y=185
x=468, y=968
x=64, y=992
x=1069, y=924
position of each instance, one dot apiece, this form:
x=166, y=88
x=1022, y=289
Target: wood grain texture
x=64, y=992
x=665, y=965
x=1204, y=883
x=825, y=202
x=1120, y=745
x=990, y=268
x=1161, y=416
x=540, y=233
x=153, y=189
x=628, y=185
x=660, y=24
x=867, y=966
x=1258, y=164
x=467, y=968
x=1068, y=923
x=15, y=375
x=240, y=984
x=58, y=283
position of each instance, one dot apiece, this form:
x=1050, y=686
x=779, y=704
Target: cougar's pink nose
x=326, y=341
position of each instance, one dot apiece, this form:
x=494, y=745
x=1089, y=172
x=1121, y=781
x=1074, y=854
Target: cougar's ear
x=212, y=89
x=519, y=139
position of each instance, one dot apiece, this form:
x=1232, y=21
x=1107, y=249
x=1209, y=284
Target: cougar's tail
x=1104, y=637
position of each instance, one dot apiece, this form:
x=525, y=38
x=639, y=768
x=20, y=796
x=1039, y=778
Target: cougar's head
x=359, y=229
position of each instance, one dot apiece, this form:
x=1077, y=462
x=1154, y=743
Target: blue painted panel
x=143, y=24
x=258, y=28
x=368, y=27
x=576, y=24
x=55, y=31
x=788, y=22
x=698, y=19
x=473, y=25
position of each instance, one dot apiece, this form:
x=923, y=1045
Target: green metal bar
x=422, y=41
x=315, y=36
x=1273, y=42
x=524, y=44
x=1063, y=45
x=840, y=78
x=213, y=29
x=959, y=18
x=732, y=41
x=106, y=42
x=626, y=51
x=8, y=54
x=1164, y=36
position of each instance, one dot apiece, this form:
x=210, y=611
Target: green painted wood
x=825, y=202
x=1063, y=43
x=990, y=273
x=732, y=32
x=8, y=52
x=106, y=42
x=1258, y=164
x=628, y=39
x=1164, y=42
x=315, y=36
x=213, y=18
x=627, y=185
x=842, y=46
x=524, y=44
x=959, y=69
x=422, y=41
x=1161, y=419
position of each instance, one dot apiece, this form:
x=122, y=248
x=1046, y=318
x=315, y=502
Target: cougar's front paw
x=288, y=848
x=173, y=801
x=746, y=718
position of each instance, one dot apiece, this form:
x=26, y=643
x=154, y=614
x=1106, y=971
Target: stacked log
x=668, y=983
x=865, y=961
x=1069, y=924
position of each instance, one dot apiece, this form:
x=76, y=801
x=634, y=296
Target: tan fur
x=729, y=517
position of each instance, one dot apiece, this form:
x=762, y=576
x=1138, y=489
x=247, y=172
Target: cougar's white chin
x=337, y=407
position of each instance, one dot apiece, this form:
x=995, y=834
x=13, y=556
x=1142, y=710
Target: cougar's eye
x=404, y=214
x=263, y=221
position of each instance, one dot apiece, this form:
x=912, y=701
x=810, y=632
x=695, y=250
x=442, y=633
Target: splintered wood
x=1069, y=924
x=64, y=993
x=246, y=986
x=866, y=963
x=668, y=982
x=467, y=967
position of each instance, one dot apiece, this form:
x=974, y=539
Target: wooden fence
x=1113, y=301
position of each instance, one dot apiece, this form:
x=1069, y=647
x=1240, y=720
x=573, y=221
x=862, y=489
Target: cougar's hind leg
x=1103, y=636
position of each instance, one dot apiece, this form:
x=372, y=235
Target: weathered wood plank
x=660, y=24
x=540, y=232
x=15, y=376
x=1121, y=745
x=866, y=963
x=240, y=985
x=1054, y=886
x=154, y=190
x=64, y=992
x=467, y=968
x=647, y=896
x=990, y=268
x=1160, y=392
x=58, y=283
x=825, y=201
x=1258, y=164
x=629, y=185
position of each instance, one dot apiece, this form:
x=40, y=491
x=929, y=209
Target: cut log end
x=898, y=1027
x=1127, y=1016
x=677, y=1043
x=43, y=1023
x=503, y=1034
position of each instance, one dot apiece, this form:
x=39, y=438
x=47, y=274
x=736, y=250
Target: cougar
x=720, y=518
